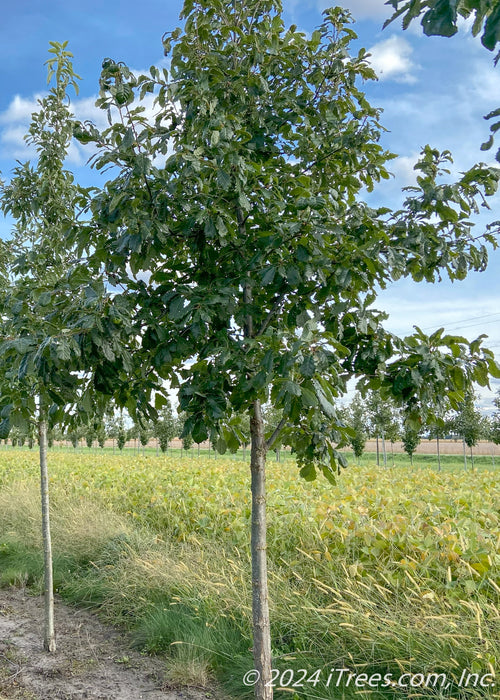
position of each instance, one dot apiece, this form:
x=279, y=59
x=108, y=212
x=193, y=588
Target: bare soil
x=92, y=660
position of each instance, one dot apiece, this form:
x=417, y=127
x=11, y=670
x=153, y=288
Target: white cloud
x=391, y=60
x=15, y=121
x=20, y=110
x=403, y=169
x=482, y=83
x=84, y=109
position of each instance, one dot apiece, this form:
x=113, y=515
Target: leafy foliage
x=241, y=202
x=495, y=421
x=440, y=17
x=64, y=337
x=411, y=439
x=165, y=426
x=468, y=421
x=358, y=421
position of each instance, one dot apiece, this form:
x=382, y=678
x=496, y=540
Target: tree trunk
x=378, y=454
x=384, y=453
x=260, y=597
x=439, y=453
x=49, y=641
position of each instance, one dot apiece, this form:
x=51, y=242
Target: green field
x=392, y=570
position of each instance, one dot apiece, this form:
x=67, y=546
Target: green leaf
x=223, y=179
x=309, y=398
x=308, y=472
x=221, y=446
x=4, y=429
x=244, y=202
x=308, y=367
x=268, y=275
x=441, y=19
x=326, y=406
x=494, y=369
x=160, y=401
x=176, y=308
x=491, y=33
x=63, y=351
x=45, y=298
x=329, y=474
x=199, y=432
x=488, y=144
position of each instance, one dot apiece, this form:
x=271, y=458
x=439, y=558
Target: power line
x=465, y=320
x=472, y=325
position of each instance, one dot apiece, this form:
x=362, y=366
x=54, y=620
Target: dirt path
x=92, y=660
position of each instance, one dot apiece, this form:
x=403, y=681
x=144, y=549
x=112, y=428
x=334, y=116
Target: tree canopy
x=441, y=17
x=241, y=204
x=235, y=222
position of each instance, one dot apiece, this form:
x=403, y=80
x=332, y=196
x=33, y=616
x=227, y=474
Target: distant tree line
x=381, y=420
x=366, y=418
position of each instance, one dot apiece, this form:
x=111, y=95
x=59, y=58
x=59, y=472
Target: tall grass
x=389, y=571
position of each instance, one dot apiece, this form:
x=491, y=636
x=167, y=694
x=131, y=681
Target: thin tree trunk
x=378, y=454
x=384, y=453
x=49, y=641
x=260, y=597
x=439, y=453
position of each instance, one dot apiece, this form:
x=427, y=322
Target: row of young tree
x=115, y=426
x=383, y=420
x=230, y=254
x=119, y=428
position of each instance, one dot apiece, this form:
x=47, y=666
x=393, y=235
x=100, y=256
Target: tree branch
x=270, y=315
x=276, y=433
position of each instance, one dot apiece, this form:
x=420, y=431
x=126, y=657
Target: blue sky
x=432, y=90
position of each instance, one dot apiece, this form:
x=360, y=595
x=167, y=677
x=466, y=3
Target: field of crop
x=389, y=571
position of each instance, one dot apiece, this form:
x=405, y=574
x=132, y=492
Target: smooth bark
x=49, y=638
x=260, y=597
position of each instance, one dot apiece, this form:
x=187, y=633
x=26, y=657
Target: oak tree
x=235, y=221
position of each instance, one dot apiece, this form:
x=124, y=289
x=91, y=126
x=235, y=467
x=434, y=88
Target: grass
x=391, y=570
